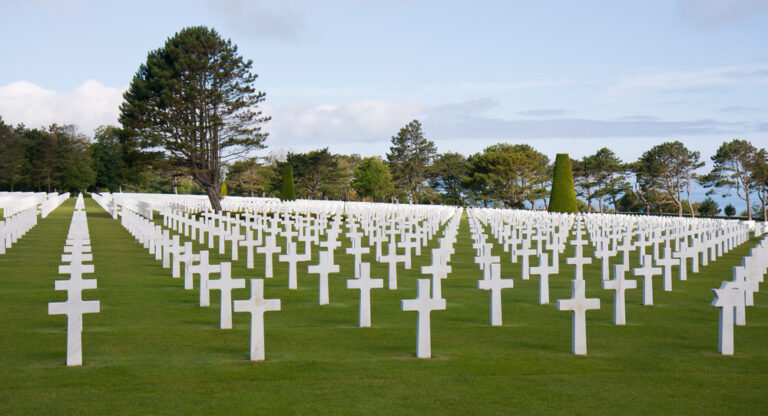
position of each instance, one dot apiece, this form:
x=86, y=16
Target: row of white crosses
x=16, y=226
x=77, y=252
x=261, y=232
x=168, y=249
x=734, y=296
x=531, y=233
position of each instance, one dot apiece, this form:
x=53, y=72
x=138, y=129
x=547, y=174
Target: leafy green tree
x=447, y=176
x=610, y=176
x=248, y=177
x=668, y=170
x=410, y=157
x=41, y=154
x=373, y=180
x=195, y=99
x=585, y=181
x=733, y=166
x=729, y=210
x=629, y=202
x=288, y=190
x=320, y=174
x=73, y=167
x=709, y=207
x=107, y=155
x=12, y=159
x=510, y=174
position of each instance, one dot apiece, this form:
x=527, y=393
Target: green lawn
x=153, y=350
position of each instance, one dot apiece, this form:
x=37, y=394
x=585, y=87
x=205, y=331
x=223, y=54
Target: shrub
x=288, y=190
x=563, y=196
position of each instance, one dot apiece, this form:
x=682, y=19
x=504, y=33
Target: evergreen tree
x=563, y=194
x=195, y=98
x=410, y=157
x=372, y=179
x=288, y=191
x=734, y=164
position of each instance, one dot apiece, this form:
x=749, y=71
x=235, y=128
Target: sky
x=562, y=76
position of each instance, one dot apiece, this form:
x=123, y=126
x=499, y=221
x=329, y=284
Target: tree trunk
x=213, y=196
x=749, y=207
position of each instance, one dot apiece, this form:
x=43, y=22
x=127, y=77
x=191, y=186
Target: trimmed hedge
x=563, y=197
x=288, y=191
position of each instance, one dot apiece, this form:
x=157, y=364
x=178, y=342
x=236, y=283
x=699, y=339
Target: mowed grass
x=153, y=350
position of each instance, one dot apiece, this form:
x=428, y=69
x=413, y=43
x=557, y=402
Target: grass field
x=153, y=350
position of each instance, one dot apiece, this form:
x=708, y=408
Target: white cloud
x=361, y=121
x=90, y=105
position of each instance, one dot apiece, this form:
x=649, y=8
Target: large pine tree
x=409, y=158
x=195, y=99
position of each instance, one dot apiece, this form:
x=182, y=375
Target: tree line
x=60, y=158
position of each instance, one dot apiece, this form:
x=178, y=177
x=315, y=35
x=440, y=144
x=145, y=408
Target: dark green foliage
x=667, y=172
x=729, y=210
x=736, y=167
x=447, y=176
x=410, y=157
x=600, y=176
x=248, y=177
x=511, y=174
x=195, y=98
x=107, y=154
x=709, y=207
x=288, y=190
x=319, y=174
x=372, y=179
x=563, y=195
x=629, y=202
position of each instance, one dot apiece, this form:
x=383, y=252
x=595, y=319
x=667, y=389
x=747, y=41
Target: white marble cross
x=256, y=306
x=292, y=258
x=525, y=251
x=408, y=243
x=485, y=259
x=423, y=304
x=682, y=254
x=439, y=270
x=666, y=263
x=357, y=250
x=726, y=299
x=495, y=284
x=323, y=268
x=225, y=284
x=392, y=258
x=739, y=283
x=188, y=258
x=619, y=284
x=579, y=261
x=579, y=304
x=270, y=247
x=543, y=270
x=204, y=269
x=74, y=307
x=76, y=271
x=647, y=271
x=365, y=284
x=249, y=243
